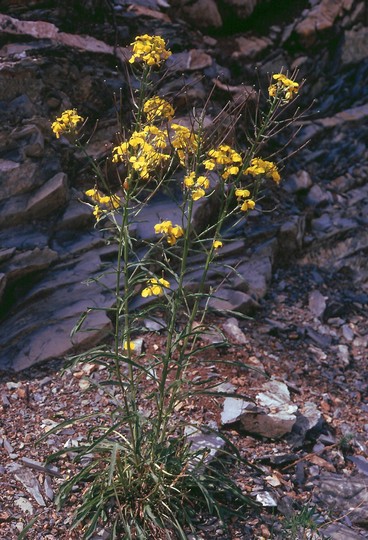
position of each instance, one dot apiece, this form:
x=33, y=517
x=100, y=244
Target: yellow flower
x=176, y=232
x=209, y=164
x=97, y=212
x=248, y=204
x=120, y=153
x=225, y=157
x=184, y=141
x=217, y=244
x=198, y=194
x=129, y=346
x=151, y=50
x=115, y=201
x=272, y=90
x=156, y=108
x=111, y=201
x=230, y=171
x=163, y=227
x=66, y=123
x=189, y=180
x=143, y=151
x=266, y=168
x=140, y=164
x=285, y=86
x=242, y=193
x=196, y=185
x=203, y=181
x=155, y=287
x=172, y=233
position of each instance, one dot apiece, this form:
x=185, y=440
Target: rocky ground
x=311, y=482
x=303, y=266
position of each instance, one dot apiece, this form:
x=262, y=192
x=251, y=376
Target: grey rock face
x=230, y=301
x=48, y=245
x=59, y=299
x=16, y=178
x=317, y=303
x=320, y=19
x=51, y=196
x=301, y=181
x=274, y=417
x=234, y=333
x=355, y=46
x=31, y=484
x=345, y=495
x=202, y=13
x=27, y=262
x=339, y=531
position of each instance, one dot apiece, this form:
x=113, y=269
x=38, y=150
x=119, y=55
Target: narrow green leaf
x=28, y=527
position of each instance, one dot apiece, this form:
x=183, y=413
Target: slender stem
x=182, y=365
x=164, y=412
x=122, y=304
x=182, y=349
x=143, y=87
x=260, y=134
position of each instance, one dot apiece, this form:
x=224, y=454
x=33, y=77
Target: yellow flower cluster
x=128, y=345
x=285, y=86
x=217, y=244
x=143, y=151
x=226, y=157
x=109, y=201
x=151, y=50
x=172, y=232
x=184, y=141
x=197, y=185
x=246, y=204
x=155, y=287
x=157, y=108
x=266, y=168
x=66, y=123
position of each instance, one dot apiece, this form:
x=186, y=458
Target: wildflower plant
x=144, y=480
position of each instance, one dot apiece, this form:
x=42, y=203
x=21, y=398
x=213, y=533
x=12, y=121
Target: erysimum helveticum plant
x=144, y=480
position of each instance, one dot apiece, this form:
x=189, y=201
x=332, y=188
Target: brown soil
x=277, y=344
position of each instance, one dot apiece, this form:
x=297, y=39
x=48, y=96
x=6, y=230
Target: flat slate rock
x=345, y=495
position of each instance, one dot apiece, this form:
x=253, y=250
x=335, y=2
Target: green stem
x=163, y=412
x=143, y=92
x=260, y=134
x=122, y=305
x=189, y=326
